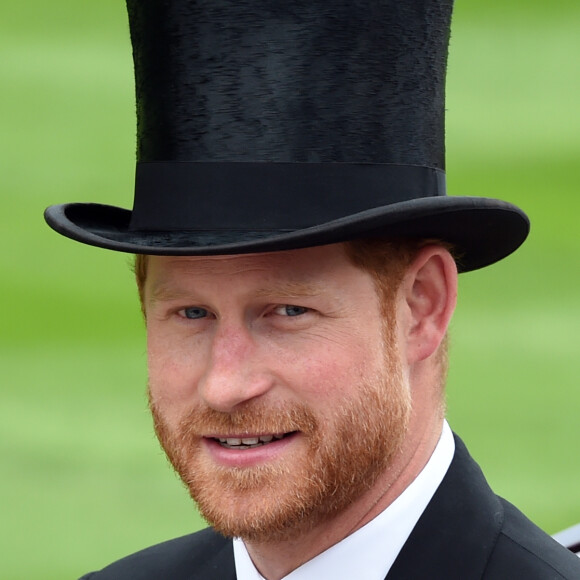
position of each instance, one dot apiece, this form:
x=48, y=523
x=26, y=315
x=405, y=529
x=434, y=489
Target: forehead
x=302, y=269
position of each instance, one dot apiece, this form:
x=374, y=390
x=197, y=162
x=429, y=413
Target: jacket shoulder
x=468, y=532
x=205, y=554
x=523, y=550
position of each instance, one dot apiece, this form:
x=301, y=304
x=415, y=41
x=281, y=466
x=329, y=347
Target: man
x=297, y=266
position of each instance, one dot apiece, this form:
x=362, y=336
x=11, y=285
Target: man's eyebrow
x=290, y=289
x=167, y=293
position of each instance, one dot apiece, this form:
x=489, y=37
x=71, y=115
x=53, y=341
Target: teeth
x=248, y=442
x=231, y=441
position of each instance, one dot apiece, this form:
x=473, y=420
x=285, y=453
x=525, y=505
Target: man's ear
x=429, y=295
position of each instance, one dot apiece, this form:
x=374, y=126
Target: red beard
x=336, y=462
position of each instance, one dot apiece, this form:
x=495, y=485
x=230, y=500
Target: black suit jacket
x=466, y=533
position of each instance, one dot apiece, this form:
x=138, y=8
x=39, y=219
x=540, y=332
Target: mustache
x=251, y=419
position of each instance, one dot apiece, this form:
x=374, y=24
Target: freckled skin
x=240, y=349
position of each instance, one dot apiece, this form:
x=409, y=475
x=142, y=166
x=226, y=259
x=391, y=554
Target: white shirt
x=369, y=553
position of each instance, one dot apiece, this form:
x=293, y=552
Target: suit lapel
x=455, y=536
x=219, y=564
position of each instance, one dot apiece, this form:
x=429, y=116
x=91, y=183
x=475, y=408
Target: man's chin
x=258, y=505
x=258, y=529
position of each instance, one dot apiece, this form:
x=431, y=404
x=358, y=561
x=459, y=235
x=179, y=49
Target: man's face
x=276, y=386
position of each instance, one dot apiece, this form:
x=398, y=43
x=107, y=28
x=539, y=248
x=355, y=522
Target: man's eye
x=290, y=310
x=193, y=312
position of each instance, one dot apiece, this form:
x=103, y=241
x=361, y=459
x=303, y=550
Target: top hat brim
x=482, y=231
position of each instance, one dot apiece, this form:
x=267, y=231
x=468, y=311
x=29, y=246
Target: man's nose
x=235, y=371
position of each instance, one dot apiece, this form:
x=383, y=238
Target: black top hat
x=280, y=124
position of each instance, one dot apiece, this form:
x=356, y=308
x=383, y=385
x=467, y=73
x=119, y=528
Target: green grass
x=83, y=480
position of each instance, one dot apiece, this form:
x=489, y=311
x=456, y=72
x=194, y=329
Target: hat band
x=173, y=196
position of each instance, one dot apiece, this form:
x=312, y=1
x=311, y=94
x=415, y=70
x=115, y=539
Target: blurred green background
x=82, y=480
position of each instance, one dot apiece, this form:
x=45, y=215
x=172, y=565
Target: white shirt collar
x=374, y=547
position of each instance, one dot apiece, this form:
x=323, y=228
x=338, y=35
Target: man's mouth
x=239, y=443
